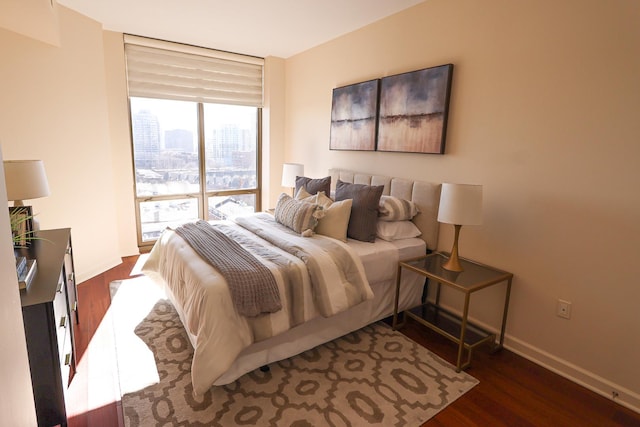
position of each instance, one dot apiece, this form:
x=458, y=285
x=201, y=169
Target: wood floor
x=512, y=390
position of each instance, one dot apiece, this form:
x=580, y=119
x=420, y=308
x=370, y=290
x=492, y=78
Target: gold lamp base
x=453, y=264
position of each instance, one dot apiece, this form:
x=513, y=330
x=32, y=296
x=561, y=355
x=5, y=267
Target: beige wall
x=544, y=113
x=54, y=107
x=273, y=130
x=37, y=19
x=120, y=142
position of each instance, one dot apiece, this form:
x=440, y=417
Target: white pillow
x=303, y=194
x=323, y=200
x=396, y=230
x=335, y=221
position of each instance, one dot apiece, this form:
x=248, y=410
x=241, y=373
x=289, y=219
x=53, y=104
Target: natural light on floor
x=99, y=363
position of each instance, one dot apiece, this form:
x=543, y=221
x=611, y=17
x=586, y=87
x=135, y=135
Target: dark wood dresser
x=50, y=313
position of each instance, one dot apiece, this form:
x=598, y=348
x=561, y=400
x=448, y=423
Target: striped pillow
x=298, y=215
x=394, y=209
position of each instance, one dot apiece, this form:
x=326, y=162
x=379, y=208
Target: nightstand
x=457, y=328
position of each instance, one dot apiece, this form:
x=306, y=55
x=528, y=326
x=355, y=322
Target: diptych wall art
x=354, y=113
x=405, y=112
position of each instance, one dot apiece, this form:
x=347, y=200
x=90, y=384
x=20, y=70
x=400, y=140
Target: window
x=196, y=145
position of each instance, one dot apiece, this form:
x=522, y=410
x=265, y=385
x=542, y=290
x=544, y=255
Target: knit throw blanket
x=253, y=288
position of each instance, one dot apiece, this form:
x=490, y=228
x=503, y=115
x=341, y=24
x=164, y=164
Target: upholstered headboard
x=426, y=195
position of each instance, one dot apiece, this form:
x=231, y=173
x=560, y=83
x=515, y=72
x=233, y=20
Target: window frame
x=203, y=195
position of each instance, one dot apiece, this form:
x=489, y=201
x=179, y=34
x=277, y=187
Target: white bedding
x=324, y=329
x=328, y=278
x=380, y=259
x=224, y=342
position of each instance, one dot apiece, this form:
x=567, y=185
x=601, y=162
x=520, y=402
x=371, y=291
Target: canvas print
x=413, y=110
x=354, y=116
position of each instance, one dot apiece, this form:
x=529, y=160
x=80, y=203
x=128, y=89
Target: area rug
x=374, y=376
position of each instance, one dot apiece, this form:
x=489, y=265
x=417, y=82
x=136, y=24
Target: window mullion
x=204, y=200
x=259, y=159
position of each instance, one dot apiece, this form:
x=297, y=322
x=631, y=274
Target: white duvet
x=327, y=285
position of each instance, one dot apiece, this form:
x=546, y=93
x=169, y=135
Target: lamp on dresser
x=25, y=180
x=460, y=204
x=289, y=173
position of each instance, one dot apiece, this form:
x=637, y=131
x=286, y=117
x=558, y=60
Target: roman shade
x=165, y=70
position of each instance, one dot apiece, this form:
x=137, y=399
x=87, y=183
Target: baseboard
x=612, y=391
x=86, y=275
x=587, y=379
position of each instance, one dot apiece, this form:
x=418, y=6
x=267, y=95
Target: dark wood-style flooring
x=512, y=391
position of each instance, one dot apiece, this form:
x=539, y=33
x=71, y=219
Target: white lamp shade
x=289, y=173
x=460, y=204
x=25, y=179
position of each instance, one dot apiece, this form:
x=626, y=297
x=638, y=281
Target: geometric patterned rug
x=373, y=376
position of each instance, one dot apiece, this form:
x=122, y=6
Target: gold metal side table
x=457, y=328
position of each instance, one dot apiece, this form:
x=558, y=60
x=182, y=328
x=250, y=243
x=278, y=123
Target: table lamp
x=460, y=204
x=289, y=173
x=25, y=180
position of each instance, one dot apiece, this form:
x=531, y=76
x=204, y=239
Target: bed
x=228, y=345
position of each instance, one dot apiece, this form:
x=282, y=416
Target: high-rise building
x=146, y=139
x=231, y=146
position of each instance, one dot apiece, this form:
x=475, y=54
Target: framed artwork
x=21, y=220
x=354, y=114
x=413, y=110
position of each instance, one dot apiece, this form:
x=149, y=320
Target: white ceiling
x=262, y=28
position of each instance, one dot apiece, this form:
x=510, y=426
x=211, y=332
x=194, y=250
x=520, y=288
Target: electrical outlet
x=564, y=309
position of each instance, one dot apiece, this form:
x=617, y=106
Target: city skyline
x=223, y=143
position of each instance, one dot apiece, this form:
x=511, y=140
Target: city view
x=167, y=161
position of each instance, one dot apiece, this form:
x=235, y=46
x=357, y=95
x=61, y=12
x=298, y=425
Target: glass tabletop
x=474, y=275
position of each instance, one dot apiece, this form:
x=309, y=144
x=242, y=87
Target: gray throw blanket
x=253, y=288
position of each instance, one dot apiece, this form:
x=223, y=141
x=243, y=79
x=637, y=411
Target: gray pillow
x=364, y=210
x=313, y=185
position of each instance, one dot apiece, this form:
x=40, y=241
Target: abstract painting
x=354, y=116
x=413, y=110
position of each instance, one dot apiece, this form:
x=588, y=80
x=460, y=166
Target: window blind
x=159, y=69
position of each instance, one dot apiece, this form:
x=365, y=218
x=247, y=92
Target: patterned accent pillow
x=395, y=209
x=364, y=210
x=312, y=186
x=300, y=216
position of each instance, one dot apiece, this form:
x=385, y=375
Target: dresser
x=50, y=314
